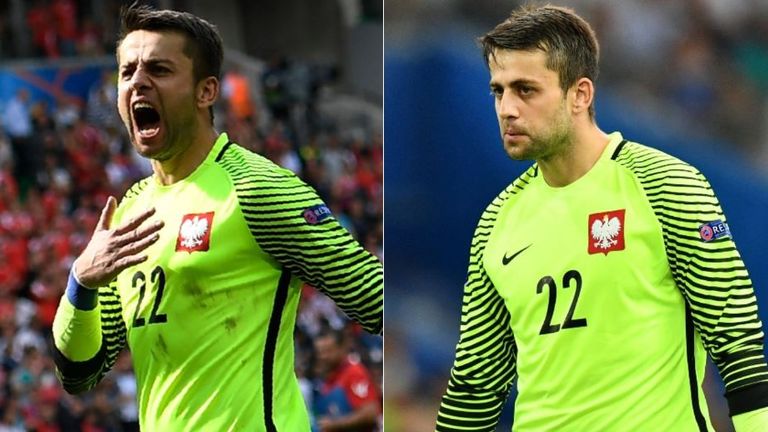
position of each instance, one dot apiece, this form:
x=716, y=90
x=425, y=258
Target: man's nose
x=140, y=79
x=507, y=106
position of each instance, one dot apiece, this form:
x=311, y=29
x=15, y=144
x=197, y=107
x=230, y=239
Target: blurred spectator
x=347, y=398
x=17, y=121
x=41, y=21
x=64, y=13
x=236, y=90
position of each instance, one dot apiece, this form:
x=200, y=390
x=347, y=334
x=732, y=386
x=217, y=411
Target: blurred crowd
x=703, y=62
x=60, y=161
x=57, y=28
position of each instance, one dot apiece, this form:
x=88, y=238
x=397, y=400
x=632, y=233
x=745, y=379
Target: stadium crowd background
x=60, y=161
x=687, y=76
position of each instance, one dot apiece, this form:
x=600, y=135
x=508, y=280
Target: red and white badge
x=195, y=232
x=606, y=232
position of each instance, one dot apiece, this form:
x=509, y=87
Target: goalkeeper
x=199, y=268
x=603, y=276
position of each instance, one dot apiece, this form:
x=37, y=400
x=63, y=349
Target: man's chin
x=517, y=152
x=150, y=148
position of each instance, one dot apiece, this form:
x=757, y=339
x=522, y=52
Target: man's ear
x=584, y=94
x=207, y=92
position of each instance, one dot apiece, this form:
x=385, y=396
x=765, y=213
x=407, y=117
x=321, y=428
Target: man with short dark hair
x=602, y=277
x=200, y=266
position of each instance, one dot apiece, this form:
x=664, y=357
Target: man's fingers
x=135, y=222
x=138, y=246
x=128, y=261
x=138, y=234
x=106, y=214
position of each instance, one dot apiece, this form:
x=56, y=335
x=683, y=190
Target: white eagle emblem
x=360, y=389
x=605, y=231
x=193, y=232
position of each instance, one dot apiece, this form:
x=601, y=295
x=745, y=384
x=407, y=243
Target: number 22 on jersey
x=139, y=281
x=571, y=276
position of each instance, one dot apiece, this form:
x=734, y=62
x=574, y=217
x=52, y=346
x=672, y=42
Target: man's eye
x=525, y=90
x=497, y=93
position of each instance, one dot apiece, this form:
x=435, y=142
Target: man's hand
x=326, y=424
x=111, y=251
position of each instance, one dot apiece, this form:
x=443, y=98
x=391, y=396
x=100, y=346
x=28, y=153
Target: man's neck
x=576, y=159
x=183, y=164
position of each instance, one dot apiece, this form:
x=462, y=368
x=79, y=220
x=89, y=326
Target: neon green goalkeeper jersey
x=209, y=317
x=603, y=298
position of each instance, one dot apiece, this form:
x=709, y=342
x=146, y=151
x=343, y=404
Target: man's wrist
x=80, y=296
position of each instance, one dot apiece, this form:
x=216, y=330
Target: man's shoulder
x=514, y=189
x=352, y=371
x=135, y=191
x=642, y=159
x=662, y=174
x=246, y=165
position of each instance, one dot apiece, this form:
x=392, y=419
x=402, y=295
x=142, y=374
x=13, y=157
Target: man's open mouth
x=146, y=119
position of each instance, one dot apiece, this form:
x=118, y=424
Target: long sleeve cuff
x=81, y=297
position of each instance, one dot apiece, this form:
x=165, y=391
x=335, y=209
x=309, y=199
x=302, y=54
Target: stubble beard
x=554, y=142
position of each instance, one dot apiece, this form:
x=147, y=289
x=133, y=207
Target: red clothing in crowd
x=43, y=30
x=65, y=14
x=355, y=380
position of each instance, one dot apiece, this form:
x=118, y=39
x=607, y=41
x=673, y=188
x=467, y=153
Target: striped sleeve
x=711, y=275
x=80, y=376
x=319, y=251
x=484, y=368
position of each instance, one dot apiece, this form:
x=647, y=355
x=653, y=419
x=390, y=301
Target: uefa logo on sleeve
x=714, y=230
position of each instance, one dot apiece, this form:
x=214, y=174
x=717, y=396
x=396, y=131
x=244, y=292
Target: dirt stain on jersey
x=162, y=345
x=230, y=324
x=194, y=290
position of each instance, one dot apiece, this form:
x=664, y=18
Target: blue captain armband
x=80, y=297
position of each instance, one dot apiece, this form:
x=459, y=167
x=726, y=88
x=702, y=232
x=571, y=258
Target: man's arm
x=88, y=336
x=364, y=399
x=290, y=222
x=88, y=329
x=709, y=271
x=363, y=416
x=485, y=363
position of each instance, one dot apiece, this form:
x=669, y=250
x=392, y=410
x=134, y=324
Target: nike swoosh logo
x=506, y=260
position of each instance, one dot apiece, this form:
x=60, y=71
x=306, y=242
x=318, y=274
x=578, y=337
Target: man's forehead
x=522, y=63
x=157, y=45
x=504, y=58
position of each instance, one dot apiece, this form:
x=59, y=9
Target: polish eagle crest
x=605, y=231
x=193, y=232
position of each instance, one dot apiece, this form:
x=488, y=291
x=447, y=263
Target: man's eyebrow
x=516, y=83
x=159, y=60
x=150, y=61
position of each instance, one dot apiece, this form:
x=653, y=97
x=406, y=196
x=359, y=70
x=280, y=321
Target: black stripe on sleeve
x=270, y=347
x=693, y=382
x=618, y=149
x=223, y=150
